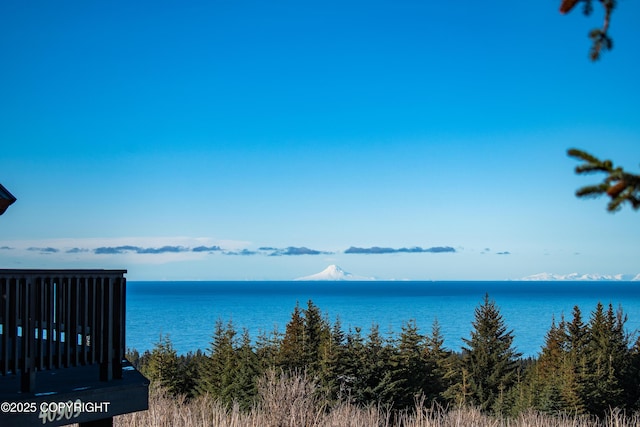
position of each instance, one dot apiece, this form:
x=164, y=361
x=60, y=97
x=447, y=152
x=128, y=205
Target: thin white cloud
x=125, y=249
x=376, y=250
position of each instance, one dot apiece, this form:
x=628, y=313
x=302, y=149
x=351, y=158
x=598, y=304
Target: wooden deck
x=88, y=398
x=62, y=346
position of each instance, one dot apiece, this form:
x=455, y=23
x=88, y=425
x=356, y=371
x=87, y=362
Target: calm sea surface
x=187, y=311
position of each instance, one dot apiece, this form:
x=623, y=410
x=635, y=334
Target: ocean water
x=188, y=311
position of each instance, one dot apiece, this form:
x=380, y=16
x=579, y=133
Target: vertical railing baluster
x=66, y=327
x=28, y=373
x=59, y=315
x=73, y=321
x=21, y=347
x=93, y=324
x=39, y=296
x=82, y=319
x=4, y=318
x=13, y=322
x=118, y=309
x=106, y=330
x=50, y=308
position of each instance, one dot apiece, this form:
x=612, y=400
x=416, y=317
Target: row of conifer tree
x=585, y=366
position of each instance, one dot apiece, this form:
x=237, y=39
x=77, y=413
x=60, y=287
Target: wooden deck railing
x=64, y=322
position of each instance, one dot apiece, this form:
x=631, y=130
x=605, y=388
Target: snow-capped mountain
x=333, y=272
x=547, y=277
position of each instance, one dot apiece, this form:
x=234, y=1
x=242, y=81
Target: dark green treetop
x=292, y=348
x=490, y=358
x=162, y=366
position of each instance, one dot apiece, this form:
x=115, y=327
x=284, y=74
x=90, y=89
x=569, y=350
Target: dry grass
x=471, y=417
x=292, y=401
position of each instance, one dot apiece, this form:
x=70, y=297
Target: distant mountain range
x=334, y=273
x=587, y=277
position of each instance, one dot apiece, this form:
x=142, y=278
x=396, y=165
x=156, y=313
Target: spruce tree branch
x=619, y=185
x=582, y=155
x=608, y=8
x=599, y=36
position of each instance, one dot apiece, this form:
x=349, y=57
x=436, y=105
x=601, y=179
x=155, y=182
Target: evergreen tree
x=632, y=391
x=436, y=364
x=549, y=370
x=577, y=333
x=353, y=383
x=218, y=370
x=231, y=369
x=619, y=343
x=550, y=382
x=368, y=377
x=459, y=392
x=490, y=358
x=576, y=367
x=316, y=335
x=606, y=357
x=267, y=348
x=527, y=392
x=162, y=365
x=246, y=374
x=292, y=355
x=411, y=367
x=333, y=369
x=378, y=372
x=188, y=377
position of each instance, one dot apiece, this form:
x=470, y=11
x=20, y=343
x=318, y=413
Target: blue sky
x=234, y=140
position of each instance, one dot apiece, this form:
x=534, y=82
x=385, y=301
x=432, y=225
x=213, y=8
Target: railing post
x=28, y=375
